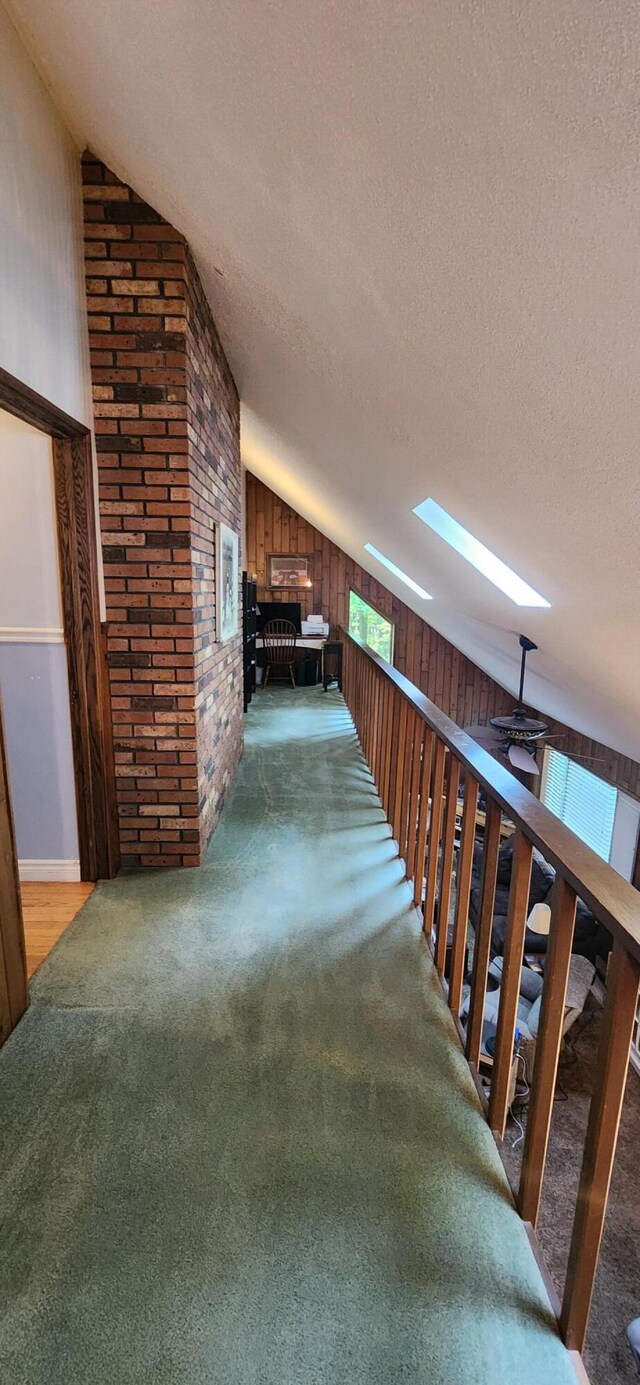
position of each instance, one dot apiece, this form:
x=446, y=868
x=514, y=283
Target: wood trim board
x=86, y=657
x=89, y=696
x=14, y=996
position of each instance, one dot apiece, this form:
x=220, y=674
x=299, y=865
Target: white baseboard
x=49, y=870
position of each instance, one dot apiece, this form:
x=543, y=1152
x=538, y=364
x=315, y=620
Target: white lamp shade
x=539, y=920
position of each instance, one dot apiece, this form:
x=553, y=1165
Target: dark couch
x=591, y=939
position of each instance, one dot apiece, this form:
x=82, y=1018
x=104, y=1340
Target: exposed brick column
x=215, y=495
x=167, y=436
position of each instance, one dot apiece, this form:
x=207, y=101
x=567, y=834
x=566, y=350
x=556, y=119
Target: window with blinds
x=606, y=818
x=584, y=802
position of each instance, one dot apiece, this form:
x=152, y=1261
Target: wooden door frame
x=14, y=994
x=89, y=696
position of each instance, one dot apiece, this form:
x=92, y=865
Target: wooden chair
x=280, y=645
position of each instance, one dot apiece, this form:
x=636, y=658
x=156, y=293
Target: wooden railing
x=419, y=760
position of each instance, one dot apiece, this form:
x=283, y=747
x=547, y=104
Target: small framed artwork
x=289, y=572
x=227, y=578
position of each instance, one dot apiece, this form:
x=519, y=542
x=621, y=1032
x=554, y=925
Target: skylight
x=397, y=571
x=480, y=557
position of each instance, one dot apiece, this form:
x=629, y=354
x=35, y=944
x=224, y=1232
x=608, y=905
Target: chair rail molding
x=24, y=634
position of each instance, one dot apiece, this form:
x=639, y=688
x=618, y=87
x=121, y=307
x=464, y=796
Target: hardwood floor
x=48, y=908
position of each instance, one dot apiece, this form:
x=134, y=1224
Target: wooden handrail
x=610, y=897
x=417, y=756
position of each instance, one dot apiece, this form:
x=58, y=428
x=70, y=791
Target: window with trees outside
x=370, y=626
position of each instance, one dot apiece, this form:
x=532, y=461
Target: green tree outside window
x=370, y=626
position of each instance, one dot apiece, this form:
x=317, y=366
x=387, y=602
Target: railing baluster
x=399, y=775
x=510, y=987
x=365, y=710
x=556, y=976
x=406, y=787
x=416, y=769
x=409, y=745
x=448, y=843
x=433, y=836
x=380, y=691
x=377, y=712
x=401, y=812
x=401, y=804
x=463, y=891
x=600, y=1145
x=372, y=720
x=423, y=816
x=482, y=944
x=412, y=796
x=386, y=768
x=393, y=757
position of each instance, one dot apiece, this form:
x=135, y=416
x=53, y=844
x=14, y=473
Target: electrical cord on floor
x=569, y=1059
x=520, y=1136
x=524, y=1097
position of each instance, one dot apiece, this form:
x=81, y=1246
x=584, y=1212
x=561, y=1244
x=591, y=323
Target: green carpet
x=239, y=1144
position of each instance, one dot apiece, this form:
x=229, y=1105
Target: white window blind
x=606, y=818
x=584, y=802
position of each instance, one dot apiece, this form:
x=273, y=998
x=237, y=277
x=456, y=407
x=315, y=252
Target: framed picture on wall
x=288, y=571
x=227, y=578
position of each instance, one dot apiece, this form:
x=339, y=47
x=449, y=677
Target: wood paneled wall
x=452, y=681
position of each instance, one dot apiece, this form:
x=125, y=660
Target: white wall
x=33, y=663
x=43, y=322
x=30, y=595
x=44, y=344
x=43, y=335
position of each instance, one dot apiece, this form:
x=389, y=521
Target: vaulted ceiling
x=419, y=229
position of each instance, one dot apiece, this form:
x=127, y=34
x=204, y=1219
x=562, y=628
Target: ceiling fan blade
x=484, y=735
x=596, y=759
x=522, y=760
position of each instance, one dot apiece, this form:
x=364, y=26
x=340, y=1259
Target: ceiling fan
x=517, y=736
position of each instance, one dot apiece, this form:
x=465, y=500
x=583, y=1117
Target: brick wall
x=214, y=438
x=168, y=443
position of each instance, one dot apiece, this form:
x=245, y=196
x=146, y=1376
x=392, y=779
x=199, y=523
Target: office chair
x=280, y=646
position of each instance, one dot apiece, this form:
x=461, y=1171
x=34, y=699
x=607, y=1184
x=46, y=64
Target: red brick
x=187, y=714
x=139, y=287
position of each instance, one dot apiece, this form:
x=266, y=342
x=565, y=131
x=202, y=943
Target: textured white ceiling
x=419, y=228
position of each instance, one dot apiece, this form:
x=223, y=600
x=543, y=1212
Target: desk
x=302, y=642
x=318, y=643
x=305, y=646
